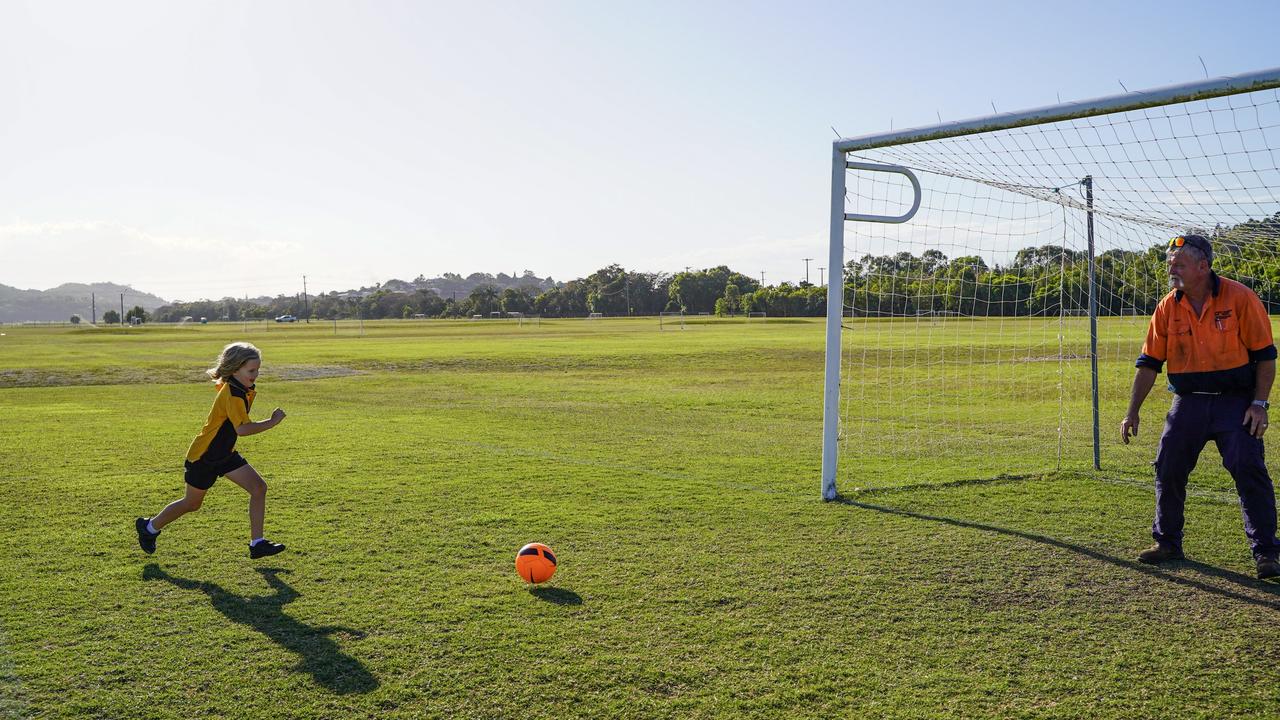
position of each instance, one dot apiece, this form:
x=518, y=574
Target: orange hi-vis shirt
x=1214, y=352
x=230, y=410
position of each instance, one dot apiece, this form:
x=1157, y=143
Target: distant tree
x=451, y=309
x=75, y=319
x=732, y=299
x=484, y=299
x=609, y=291
x=567, y=301
x=698, y=291
x=516, y=300
x=136, y=311
x=968, y=267
x=110, y=317
x=428, y=302
x=386, y=304
x=786, y=300
x=932, y=260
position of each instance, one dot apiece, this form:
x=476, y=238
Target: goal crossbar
x=1107, y=105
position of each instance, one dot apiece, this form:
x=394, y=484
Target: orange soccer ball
x=535, y=563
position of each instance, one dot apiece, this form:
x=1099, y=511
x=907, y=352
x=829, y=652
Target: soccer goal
x=595, y=316
x=756, y=317
x=999, y=274
x=671, y=320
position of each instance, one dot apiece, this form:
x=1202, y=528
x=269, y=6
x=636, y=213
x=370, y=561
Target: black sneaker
x=265, y=548
x=146, y=540
x=1159, y=553
x=1268, y=568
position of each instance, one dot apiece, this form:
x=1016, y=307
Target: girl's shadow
x=321, y=656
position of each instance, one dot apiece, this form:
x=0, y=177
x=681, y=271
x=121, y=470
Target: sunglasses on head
x=1194, y=241
x=1184, y=240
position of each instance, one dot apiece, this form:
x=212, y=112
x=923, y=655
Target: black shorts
x=202, y=473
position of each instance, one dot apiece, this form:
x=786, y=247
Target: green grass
x=676, y=475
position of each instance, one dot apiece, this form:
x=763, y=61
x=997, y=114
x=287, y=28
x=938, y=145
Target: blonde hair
x=232, y=358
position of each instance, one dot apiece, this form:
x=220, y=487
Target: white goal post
x=1089, y=189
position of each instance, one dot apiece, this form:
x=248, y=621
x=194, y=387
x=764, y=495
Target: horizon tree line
x=1039, y=280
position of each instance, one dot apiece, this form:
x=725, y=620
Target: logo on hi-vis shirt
x=1219, y=316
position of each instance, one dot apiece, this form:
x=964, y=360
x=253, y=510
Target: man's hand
x=1255, y=419
x=1128, y=428
x=277, y=416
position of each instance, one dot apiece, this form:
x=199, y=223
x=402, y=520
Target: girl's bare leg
x=176, y=509
x=249, y=479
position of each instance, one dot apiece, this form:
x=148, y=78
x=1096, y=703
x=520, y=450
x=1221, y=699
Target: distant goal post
x=979, y=255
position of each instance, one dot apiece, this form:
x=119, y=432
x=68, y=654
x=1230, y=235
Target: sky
x=211, y=149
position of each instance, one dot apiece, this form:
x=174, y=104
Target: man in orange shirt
x=1215, y=335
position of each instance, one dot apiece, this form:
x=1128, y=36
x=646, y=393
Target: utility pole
x=122, y=308
x=821, y=276
x=761, y=278
x=806, y=269
x=93, y=300
x=306, y=312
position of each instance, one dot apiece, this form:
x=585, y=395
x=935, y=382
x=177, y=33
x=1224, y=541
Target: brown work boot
x=1268, y=568
x=1158, y=553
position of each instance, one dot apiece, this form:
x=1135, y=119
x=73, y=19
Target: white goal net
x=967, y=337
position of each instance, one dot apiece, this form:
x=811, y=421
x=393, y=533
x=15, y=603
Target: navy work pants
x=1192, y=422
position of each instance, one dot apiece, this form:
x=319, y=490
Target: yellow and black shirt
x=230, y=410
x=1214, y=352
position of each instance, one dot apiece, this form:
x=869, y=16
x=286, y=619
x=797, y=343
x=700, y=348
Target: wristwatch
x=1262, y=404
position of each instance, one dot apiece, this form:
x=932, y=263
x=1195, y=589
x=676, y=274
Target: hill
x=60, y=303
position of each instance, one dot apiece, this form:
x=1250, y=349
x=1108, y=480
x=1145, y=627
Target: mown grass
x=676, y=475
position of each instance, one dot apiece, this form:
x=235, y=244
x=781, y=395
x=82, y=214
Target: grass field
x=676, y=474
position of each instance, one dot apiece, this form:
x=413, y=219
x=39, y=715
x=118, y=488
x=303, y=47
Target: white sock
x=152, y=528
x=256, y=541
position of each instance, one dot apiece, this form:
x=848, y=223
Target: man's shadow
x=321, y=656
x=1270, y=591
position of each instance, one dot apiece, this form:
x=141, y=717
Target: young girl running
x=213, y=453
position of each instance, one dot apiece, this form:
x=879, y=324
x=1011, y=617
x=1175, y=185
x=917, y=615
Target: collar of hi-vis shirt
x=237, y=384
